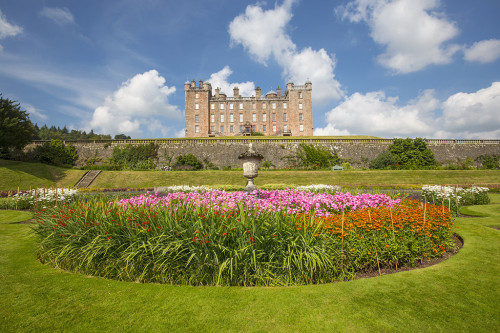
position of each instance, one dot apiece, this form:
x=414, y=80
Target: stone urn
x=251, y=161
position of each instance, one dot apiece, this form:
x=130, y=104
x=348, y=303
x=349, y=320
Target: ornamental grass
x=197, y=243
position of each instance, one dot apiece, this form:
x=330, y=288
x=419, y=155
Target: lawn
x=460, y=294
x=146, y=179
x=14, y=174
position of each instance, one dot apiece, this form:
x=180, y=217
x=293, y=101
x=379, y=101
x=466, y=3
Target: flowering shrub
x=454, y=197
x=41, y=197
x=319, y=188
x=217, y=238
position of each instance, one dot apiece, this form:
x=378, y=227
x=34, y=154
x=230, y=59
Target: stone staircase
x=87, y=178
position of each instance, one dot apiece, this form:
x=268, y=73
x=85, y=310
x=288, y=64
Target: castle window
x=221, y=118
x=222, y=106
x=285, y=128
x=241, y=117
x=301, y=127
x=263, y=128
x=300, y=94
x=274, y=128
x=231, y=118
x=222, y=129
x=231, y=106
x=254, y=117
x=212, y=106
x=196, y=118
x=253, y=105
x=197, y=106
x=212, y=118
x=212, y=129
x=241, y=128
x=274, y=116
x=241, y=106
x=264, y=117
x=300, y=106
x=274, y=106
x=231, y=129
x=284, y=117
x=196, y=95
x=254, y=128
x=197, y=129
x=264, y=105
x=284, y=105
x=301, y=117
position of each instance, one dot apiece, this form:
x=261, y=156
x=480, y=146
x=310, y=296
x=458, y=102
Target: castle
x=208, y=115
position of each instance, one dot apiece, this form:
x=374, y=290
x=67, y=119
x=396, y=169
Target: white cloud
x=484, y=51
x=180, y=133
x=375, y=114
x=473, y=115
x=263, y=34
x=462, y=115
x=33, y=111
x=8, y=29
x=60, y=16
x=220, y=79
x=139, y=104
x=414, y=33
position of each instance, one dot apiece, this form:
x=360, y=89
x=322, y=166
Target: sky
x=386, y=68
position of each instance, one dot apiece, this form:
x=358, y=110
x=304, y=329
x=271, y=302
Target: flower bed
x=218, y=238
x=455, y=197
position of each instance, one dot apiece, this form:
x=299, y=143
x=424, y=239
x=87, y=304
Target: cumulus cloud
x=462, y=115
x=473, y=115
x=141, y=103
x=220, y=80
x=413, y=32
x=376, y=114
x=484, y=51
x=60, y=16
x=8, y=29
x=263, y=34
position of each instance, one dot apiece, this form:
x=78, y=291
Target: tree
x=122, y=137
x=16, y=129
x=412, y=153
x=57, y=153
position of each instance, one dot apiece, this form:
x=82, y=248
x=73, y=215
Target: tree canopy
x=16, y=129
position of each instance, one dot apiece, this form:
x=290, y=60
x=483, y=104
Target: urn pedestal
x=251, y=162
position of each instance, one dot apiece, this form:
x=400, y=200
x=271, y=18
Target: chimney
x=236, y=92
x=217, y=90
x=278, y=92
x=200, y=84
x=257, y=92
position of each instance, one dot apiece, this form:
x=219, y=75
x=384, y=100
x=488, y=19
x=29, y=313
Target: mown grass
x=147, y=179
x=22, y=175
x=458, y=295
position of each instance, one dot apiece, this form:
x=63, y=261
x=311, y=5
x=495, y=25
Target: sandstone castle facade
x=274, y=114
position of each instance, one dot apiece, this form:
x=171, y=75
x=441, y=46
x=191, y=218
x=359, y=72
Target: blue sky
x=400, y=68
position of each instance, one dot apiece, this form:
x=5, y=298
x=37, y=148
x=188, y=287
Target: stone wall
x=224, y=152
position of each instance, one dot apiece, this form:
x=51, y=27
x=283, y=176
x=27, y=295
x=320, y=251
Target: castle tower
x=197, y=108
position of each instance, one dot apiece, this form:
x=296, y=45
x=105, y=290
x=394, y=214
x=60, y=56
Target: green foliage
x=122, y=137
x=209, y=165
x=188, y=162
x=346, y=166
x=56, y=133
x=412, y=154
x=316, y=157
x=257, y=134
x=383, y=160
x=267, y=164
x=132, y=157
x=56, y=152
x=16, y=129
x=489, y=161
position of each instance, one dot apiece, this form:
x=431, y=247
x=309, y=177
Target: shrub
x=489, y=161
x=188, y=162
x=56, y=152
x=316, y=157
x=412, y=154
x=383, y=160
x=135, y=157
